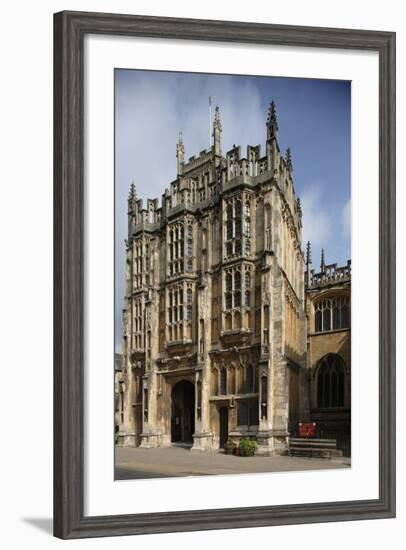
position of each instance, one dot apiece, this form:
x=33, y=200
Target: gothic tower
x=214, y=337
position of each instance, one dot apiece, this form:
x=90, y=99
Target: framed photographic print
x=224, y=274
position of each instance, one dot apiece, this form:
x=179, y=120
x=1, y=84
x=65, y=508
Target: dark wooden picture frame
x=69, y=31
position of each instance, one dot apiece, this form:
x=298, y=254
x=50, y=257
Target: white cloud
x=323, y=227
x=316, y=222
x=149, y=119
x=346, y=220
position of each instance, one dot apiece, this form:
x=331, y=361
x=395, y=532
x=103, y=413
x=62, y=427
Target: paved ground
x=135, y=463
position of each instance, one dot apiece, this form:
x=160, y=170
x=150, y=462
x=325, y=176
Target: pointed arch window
x=247, y=210
x=247, y=298
x=176, y=249
x=235, y=227
x=229, y=282
x=238, y=219
x=214, y=382
x=247, y=280
x=229, y=222
x=332, y=313
x=247, y=219
x=189, y=304
x=331, y=382
x=223, y=381
x=231, y=381
x=237, y=293
x=238, y=228
x=189, y=241
x=237, y=280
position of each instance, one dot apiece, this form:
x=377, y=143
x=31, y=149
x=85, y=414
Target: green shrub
x=247, y=447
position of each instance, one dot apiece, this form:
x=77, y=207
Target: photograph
x=232, y=274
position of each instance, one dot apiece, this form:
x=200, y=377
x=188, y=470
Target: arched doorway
x=183, y=412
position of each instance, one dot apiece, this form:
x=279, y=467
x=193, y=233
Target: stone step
x=324, y=448
x=314, y=443
x=312, y=439
x=312, y=452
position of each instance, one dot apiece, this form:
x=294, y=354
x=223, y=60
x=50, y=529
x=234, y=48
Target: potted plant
x=229, y=447
x=248, y=447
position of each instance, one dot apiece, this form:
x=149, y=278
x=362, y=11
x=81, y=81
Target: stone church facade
x=328, y=307
x=216, y=341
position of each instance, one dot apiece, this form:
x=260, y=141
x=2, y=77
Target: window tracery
x=237, y=227
x=180, y=248
x=332, y=313
x=176, y=310
x=330, y=382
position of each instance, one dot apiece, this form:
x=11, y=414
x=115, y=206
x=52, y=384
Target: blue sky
x=314, y=118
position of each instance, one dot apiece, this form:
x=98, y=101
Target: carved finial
x=272, y=123
x=217, y=121
x=132, y=195
x=217, y=129
x=309, y=270
x=288, y=159
x=180, y=152
x=180, y=148
x=308, y=253
x=322, y=262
